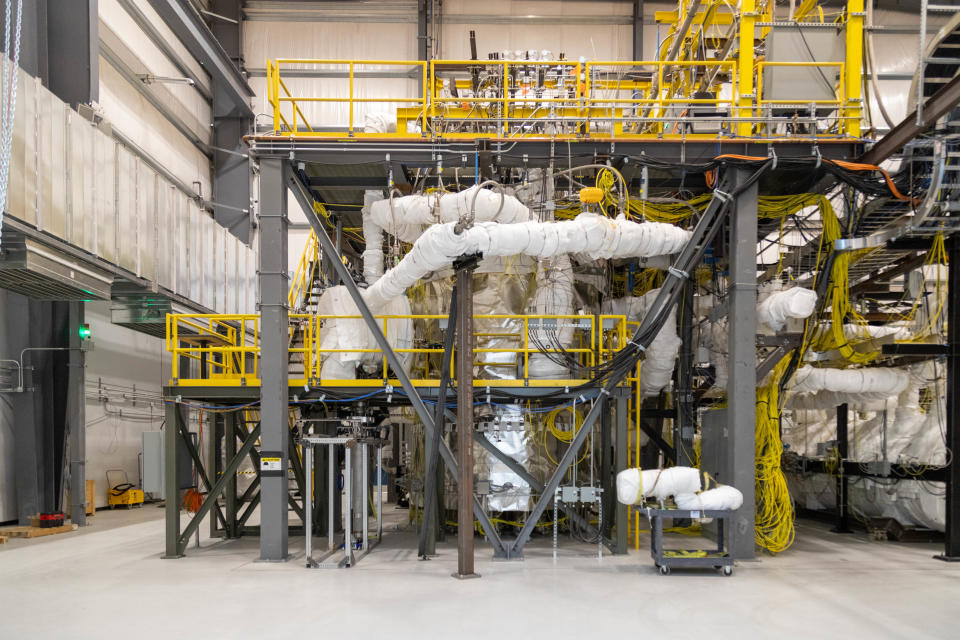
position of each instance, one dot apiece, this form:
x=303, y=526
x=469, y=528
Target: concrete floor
x=108, y=581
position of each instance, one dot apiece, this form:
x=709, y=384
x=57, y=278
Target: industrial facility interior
x=423, y=318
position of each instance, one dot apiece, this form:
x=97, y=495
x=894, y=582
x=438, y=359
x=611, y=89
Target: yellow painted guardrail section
x=584, y=94
x=227, y=348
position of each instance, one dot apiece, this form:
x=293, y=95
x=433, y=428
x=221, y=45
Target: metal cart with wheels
x=665, y=559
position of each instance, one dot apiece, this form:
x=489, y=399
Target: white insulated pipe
x=779, y=306
x=596, y=236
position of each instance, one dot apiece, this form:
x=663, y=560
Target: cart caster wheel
x=728, y=571
x=664, y=570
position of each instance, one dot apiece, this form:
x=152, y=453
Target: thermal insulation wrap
x=780, y=306
x=596, y=236
x=635, y=484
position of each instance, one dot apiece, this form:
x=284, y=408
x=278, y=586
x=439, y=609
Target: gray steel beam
x=622, y=443
x=76, y=417
x=211, y=499
x=637, y=29
x=274, y=357
x=72, y=35
x=413, y=395
x=187, y=24
x=160, y=98
x=951, y=538
x=171, y=489
x=201, y=470
x=741, y=345
x=428, y=530
x=945, y=99
x=231, y=163
x=423, y=44
x=161, y=43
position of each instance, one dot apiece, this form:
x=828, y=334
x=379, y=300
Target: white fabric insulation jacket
x=407, y=216
x=635, y=484
x=373, y=239
x=779, y=306
x=594, y=235
x=884, y=381
x=722, y=498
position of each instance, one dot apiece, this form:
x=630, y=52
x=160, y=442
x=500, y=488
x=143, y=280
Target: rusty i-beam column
x=465, y=267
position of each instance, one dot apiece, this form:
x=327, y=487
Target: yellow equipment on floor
x=122, y=493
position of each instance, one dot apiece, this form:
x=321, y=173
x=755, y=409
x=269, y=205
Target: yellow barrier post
x=745, y=70
x=851, y=78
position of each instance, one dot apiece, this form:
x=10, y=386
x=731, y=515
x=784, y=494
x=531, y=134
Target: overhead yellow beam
x=670, y=17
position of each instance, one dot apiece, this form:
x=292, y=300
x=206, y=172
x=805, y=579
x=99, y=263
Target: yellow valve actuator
x=591, y=195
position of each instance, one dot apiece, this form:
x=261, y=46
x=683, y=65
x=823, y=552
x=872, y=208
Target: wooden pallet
x=3, y=539
x=36, y=532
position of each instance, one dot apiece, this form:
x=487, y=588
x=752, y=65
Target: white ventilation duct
x=597, y=236
x=373, y=238
x=780, y=306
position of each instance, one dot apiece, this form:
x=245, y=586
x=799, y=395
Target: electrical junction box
x=570, y=495
x=589, y=494
x=483, y=487
x=153, y=470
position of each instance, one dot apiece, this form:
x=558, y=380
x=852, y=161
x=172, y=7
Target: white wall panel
x=105, y=197
x=126, y=209
x=51, y=159
x=146, y=222
x=21, y=189
x=82, y=175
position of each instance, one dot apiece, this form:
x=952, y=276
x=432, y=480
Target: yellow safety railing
x=288, y=114
x=564, y=99
x=228, y=348
x=302, y=277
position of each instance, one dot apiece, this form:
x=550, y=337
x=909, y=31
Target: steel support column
x=843, y=445
x=465, y=424
x=73, y=34
x=231, y=164
x=423, y=45
x=951, y=548
x=741, y=382
x=171, y=490
x=621, y=515
x=638, y=30
x=431, y=478
x=76, y=417
x=230, y=452
x=274, y=358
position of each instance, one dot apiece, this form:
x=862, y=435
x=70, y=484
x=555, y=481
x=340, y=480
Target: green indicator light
x=84, y=331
